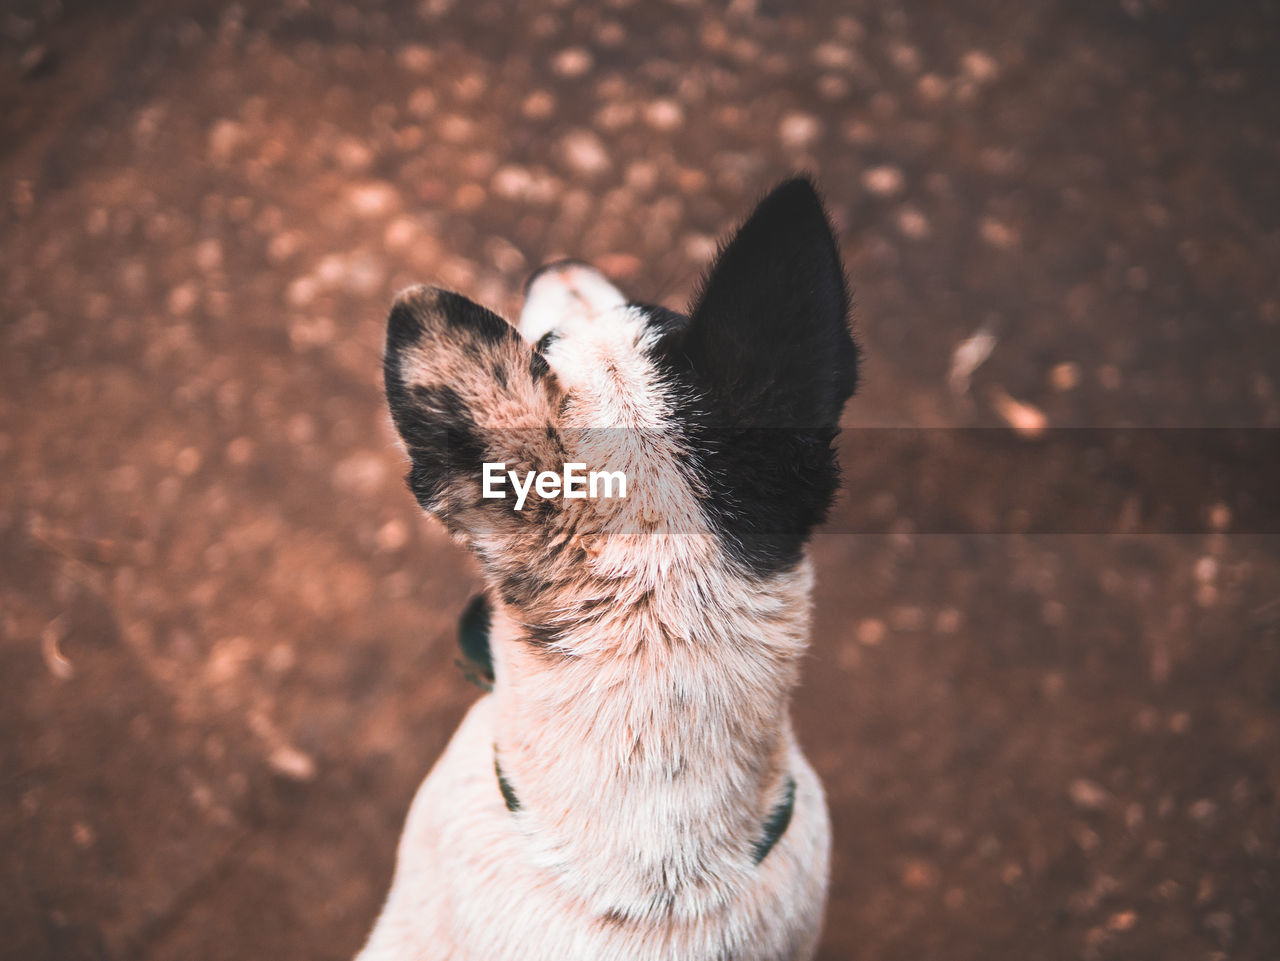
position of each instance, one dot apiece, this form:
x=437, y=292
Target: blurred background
x=227, y=636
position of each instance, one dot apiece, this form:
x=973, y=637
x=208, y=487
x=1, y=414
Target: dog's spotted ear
x=769, y=334
x=464, y=389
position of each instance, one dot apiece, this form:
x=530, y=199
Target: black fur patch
x=538, y=367
x=441, y=435
x=546, y=340
x=770, y=326
x=522, y=586
x=762, y=369
x=542, y=635
x=467, y=314
x=777, y=824
x=404, y=328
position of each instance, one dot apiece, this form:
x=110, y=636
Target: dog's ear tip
x=770, y=324
x=800, y=185
x=422, y=309
x=409, y=311
x=418, y=298
x=797, y=193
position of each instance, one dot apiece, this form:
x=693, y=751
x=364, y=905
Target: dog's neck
x=649, y=740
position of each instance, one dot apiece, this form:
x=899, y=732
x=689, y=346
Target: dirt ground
x=227, y=637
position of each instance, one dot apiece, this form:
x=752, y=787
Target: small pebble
x=1122, y=921
x=511, y=182
x=182, y=299
x=919, y=874
x=1087, y=839
x=883, y=181
x=832, y=86
x=422, y=102
x=302, y=291
x=1206, y=570
x=979, y=66
x=353, y=155
x=283, y=245
x=572, y=62
x=1024, y=418
x=833, y=56
x=400, y=233
x=415, y=58
x=188, y=461
x=585, y=152
x=615, y=115
x=456, y=128
x=1203, y=811
x=82, y=834
x=373, y=198
x=799, y=130
x=997, y=233
x=905, y=57
x=224, y=137
x=539, y=105
x=292, y=763
x=871, y=632
x=665, y=115
x=392, y=536
x=1219, y=517
x=970, y=354
x=1088, y=795
x=913, y=224
x=931, y=88
x=1065, y=376
x=209, y=255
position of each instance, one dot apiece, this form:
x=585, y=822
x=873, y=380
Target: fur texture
x=643, y=649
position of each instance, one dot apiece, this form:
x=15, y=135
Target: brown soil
x=227, y=639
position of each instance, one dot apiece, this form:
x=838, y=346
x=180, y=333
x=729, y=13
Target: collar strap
x=777, y=823
x=508, y=792
x=774, y=827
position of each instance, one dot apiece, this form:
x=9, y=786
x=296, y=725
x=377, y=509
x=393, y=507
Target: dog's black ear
x=771, y=361
x=464, y=388
x=769, y=334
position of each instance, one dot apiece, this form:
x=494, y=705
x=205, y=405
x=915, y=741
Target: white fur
x=564, y=293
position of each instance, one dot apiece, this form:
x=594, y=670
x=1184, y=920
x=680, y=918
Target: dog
x=632, y=788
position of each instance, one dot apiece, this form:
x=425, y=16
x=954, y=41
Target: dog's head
x=721, y=421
